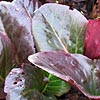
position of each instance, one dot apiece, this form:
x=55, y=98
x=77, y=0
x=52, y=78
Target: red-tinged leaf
x=76, y=69
x=17, y=20
x=92, y=40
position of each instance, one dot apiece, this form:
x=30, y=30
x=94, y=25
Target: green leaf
x=34, y=77
x=55, y=86
x=56, y=27
x=34, y=83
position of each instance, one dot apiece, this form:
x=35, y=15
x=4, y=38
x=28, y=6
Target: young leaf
x=17, y=21
x=56, y=27
x=76, y=69
x=92, y=39
x=55, y=86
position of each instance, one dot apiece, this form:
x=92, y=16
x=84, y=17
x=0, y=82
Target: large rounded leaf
x=92, y=39
x=56, y=27
x=76, y=69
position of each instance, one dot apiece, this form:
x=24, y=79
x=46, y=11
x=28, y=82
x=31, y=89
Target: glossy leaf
x=76, y=69
x=56, y=27
x=92, y=39
x=17, y=21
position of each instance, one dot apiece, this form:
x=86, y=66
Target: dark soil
x=73, y=94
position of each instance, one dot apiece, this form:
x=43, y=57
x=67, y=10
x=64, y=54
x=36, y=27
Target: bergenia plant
x=16, y=43
x=58, y=33
x=67, y=52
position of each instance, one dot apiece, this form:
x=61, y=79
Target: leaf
x=17, y=21
x=55, y=86
x=92, y=44
x=27, y=6
x=5, y=61
x=6, y=57
x=34, y=83
x=34, y=77
x=56, y=27
x=14, y=84
x=76, y=69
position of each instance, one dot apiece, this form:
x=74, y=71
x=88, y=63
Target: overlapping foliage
x=57, y=36
x=17, y=43
x=79, y=70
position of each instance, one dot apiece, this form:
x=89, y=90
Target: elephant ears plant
x=57, y=33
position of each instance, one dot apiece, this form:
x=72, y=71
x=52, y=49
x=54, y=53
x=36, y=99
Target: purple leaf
x=76, y=69
x=17, y=21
